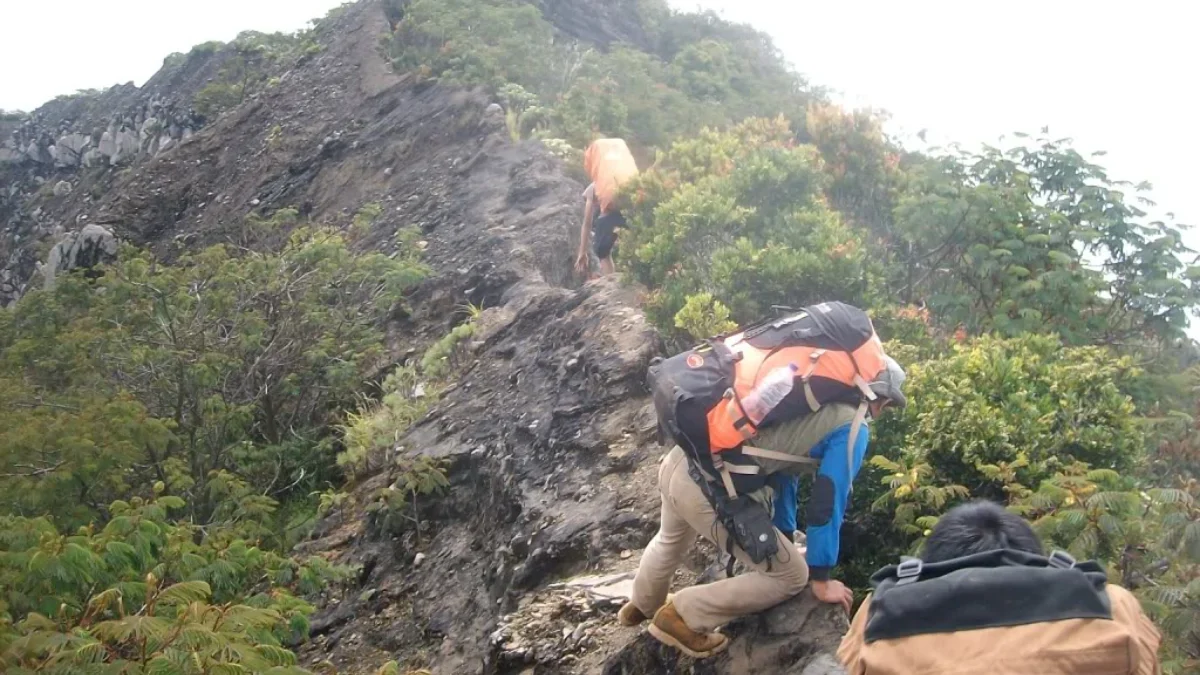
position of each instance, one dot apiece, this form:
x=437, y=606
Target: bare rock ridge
x=548, y=431
x=602, y=22
x=81, y=142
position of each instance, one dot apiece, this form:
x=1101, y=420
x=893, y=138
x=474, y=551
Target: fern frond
x=1191, y=539
x=1169, y=496
x=135, y=627
x=164, y=665
x=185, y=592
x=927, y=522
x=1110, y=525
x=1107, y=476
x=105, y=599
x=277, y=656
x=1113, y=501
x=885, y=464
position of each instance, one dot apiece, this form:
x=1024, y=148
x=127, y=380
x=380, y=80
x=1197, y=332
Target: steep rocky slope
x=547, y=432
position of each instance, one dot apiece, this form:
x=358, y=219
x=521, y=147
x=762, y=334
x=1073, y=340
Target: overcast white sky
x=1119, y=76
x=52, y=47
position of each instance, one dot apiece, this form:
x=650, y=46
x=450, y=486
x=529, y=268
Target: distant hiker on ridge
x=609, y=164
x=802, y=382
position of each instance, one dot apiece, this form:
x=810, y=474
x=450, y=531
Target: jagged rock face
x=85, y=249
x=121, y=142
x=601, y=22
x=75, y=139
x=69, y=149
x=62, y=132
x=548, y=438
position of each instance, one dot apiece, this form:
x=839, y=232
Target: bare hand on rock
x=834, y=592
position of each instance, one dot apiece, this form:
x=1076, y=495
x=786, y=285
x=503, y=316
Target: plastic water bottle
x=770, y=391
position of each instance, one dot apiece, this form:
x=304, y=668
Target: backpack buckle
x=908, y=571
x=1061, y=560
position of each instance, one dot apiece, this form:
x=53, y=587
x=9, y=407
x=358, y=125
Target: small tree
x=738, y=215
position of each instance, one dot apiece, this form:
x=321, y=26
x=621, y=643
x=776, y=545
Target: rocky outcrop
x=141, y=131
x=71, y=142
x=91, y=246
x=600, y=22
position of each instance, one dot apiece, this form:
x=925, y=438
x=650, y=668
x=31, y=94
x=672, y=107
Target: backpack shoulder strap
x=860, y=417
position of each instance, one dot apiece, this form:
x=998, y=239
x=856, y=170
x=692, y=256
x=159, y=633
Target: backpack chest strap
x=776, y=455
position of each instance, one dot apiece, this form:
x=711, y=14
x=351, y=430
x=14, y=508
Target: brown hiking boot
x=631, y=615
x=668, y=628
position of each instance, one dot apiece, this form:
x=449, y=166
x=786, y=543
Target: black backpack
x=1003, y=587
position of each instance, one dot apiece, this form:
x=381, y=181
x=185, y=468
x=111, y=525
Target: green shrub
x=703, y=317
x=997, y=419
x=407, y=393
x=217, y=97
x=397, y=507
x=439, y=359
x=491, y=42
x=250, y=65
x=145, y=593
x=702, y=70
x=738, y=216
x=377, y=426
x=1028, y=404
x=227, y=360
x=1036, y=238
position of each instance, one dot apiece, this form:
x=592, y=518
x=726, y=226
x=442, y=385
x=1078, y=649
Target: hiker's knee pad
x=820, y=502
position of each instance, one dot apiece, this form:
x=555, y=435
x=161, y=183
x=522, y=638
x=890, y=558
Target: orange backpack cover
x=609, y=164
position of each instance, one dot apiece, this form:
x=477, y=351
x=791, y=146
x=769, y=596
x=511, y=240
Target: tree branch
x=34, y=471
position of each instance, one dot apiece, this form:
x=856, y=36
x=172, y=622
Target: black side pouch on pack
x=747, y=522
x=750, y=528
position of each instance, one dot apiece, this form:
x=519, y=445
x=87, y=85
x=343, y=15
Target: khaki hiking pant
x=686, y=513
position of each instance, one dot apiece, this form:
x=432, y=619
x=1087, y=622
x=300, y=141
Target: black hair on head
x=976, y=527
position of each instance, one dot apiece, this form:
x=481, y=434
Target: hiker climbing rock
x=984, y=598
x=609, y=164
x=825, y=510
x=800, y=388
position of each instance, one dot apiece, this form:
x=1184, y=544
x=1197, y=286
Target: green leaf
x=277, y=656
x=171, y=502
x=1059, y=258
x=185, y=592
x=1169, y=496
x=1113, y=501
x=104, y=600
